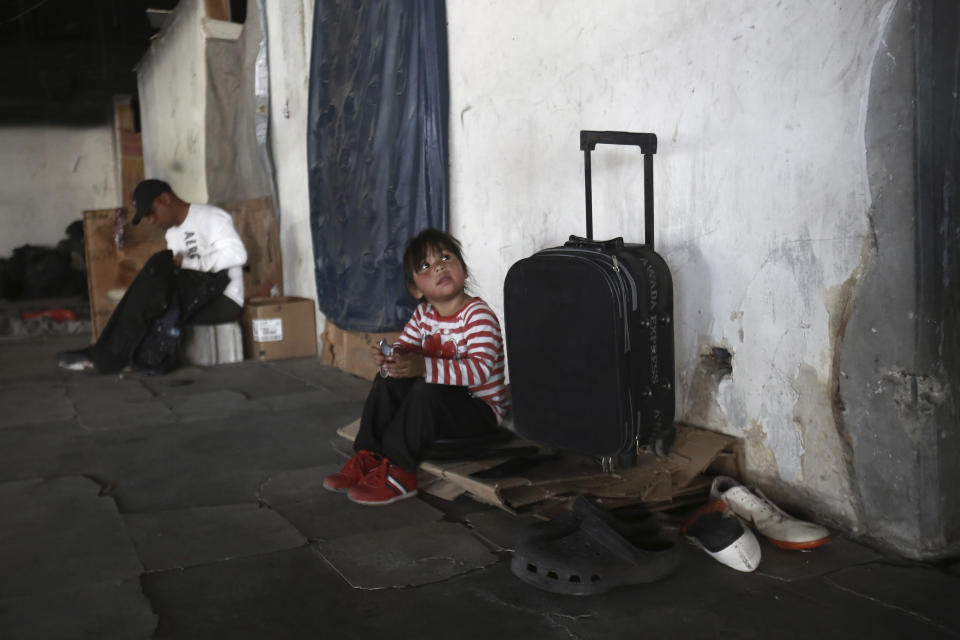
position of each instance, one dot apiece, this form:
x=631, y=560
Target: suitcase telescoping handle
x=648, y=146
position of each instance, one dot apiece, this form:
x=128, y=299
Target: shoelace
x=761, y=508
x=377, y=475
x=357, y=463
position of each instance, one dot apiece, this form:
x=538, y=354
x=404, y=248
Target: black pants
x=159, y=285
x=403, y=417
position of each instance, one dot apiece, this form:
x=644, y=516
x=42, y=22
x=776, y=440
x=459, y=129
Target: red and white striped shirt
x=465, y=349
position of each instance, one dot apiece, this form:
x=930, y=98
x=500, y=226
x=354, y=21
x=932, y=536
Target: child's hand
x=378, y=357
x=406, y=365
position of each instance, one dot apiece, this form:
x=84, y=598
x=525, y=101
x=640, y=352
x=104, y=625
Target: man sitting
x=197, y=280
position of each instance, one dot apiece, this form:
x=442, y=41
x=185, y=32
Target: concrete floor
x=190, y=506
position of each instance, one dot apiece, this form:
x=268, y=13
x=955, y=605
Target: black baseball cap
x=144, y=195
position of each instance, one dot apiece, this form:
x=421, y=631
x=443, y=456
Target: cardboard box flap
x=694, y=450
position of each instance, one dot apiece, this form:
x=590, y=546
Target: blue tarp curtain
x=376, y=151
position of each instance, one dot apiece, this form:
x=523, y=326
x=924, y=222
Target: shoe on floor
x=362, y=463
x=384, y=484
x=74, y=360
x=779, y=527
x=592, y=551
x=720, y=533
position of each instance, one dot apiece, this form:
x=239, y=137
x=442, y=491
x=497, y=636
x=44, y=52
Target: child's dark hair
x=419, y=246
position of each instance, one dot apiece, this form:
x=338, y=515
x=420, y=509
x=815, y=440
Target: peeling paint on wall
x=761, y=184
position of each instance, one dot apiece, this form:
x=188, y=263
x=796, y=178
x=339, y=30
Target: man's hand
x=178, y=260
x=406, y=365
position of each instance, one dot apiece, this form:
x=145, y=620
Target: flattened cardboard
x=549, y=487
x=286, y=326
x=695, y=449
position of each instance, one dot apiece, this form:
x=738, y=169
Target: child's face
x=439, y=278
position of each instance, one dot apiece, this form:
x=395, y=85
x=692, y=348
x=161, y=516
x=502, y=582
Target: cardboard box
x=258, y=228
x=350, y=350
x=279, y=327
x=115, y=252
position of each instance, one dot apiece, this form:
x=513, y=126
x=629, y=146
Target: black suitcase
x=589, y=336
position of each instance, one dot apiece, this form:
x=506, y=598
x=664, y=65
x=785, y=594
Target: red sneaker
x=385, y=484
x=362, y=463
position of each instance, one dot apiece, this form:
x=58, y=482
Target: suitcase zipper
x=623, y=274
x=610, y=280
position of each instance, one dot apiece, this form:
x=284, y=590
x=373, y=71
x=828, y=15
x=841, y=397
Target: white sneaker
x=74, y=360
x=779, y=527
x=721, y=534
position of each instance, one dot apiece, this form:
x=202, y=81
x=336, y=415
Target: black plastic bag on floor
x=38, y=272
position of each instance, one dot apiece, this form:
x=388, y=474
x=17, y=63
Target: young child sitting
x=445, y=379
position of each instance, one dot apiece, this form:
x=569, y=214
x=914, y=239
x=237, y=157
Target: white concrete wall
x=289, y=29
x=50, y=176
x=762, y=199
x=171, y=81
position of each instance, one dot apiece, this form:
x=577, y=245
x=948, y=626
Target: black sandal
x=593, y=551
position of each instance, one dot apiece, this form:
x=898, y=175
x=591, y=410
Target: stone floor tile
x=109, y=413
x=927, y=593
x=252, y=378
x=405, y=557
x=113, y=609
x=34, y=404
x=295, y=594
x=36, y=359
x=46, y=450
x=212, y=404
x=99, y=388
x=187, y=537
x=325, y=515
x=498, y=528
x=59, y=534
x=789, y=565
x=212, y=462
x=324, y=378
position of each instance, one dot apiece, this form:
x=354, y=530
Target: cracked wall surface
x=895, y=368
x=763, y=196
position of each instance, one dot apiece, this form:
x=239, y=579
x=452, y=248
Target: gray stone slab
x=498, y=528
x=788, y=565
x=289, y=594
x=186, y=537
x=313, y=398
x=252, y=378
x=295, y=594
x=37, y=358
x=922, y=591
x=212, y=404
x=330, y=380
x=113, y=609
x=109, y=413
x=46, y=450
x=60, y=534
x=213, y=462
x=34, y=404
x=297, y=485
x=324, y=515
x=408, y=556
x=100, y=388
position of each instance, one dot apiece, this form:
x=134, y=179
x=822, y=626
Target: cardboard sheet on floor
x=557, y=479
